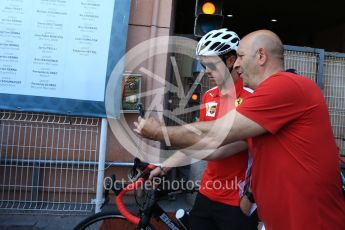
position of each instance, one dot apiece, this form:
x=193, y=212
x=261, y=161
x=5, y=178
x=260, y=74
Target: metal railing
x=47, y=162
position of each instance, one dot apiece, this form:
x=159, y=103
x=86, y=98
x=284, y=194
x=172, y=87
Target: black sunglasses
x=210, y=65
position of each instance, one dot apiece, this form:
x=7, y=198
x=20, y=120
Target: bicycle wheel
x=110, y=220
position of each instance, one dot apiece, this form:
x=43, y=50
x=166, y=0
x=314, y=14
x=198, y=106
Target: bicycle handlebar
x=118, y=199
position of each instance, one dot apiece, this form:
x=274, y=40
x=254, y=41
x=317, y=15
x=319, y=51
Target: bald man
x=295, y=174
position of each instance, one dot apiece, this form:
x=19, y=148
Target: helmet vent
x=207, y=36
x=224, y=47
x=235, y=40
x=216, y=35
x=226, y=36
x=214, y=45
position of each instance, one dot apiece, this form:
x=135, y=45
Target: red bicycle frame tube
x=118, y=199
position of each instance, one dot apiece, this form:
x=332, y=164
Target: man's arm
x=202, y=135
x=181, y=157
x=227, y=150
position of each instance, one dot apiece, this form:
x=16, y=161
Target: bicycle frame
x=152, y=209
x=159, y=214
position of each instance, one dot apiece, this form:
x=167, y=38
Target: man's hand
x=157, y=172
x=148, y=128
x=245, y=205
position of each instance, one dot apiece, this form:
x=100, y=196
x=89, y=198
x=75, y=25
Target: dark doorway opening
x=317, y=24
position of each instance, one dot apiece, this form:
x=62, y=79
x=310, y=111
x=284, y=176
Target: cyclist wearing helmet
x=217, y=207
x=217, y=202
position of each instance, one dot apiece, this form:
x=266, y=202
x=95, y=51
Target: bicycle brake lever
x=134, y=177
x=139, y=164
x=108, y=185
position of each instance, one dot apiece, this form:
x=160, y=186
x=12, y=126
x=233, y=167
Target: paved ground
x=38, y=222
x=55, y=222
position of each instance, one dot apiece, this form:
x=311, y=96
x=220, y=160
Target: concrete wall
x=148, y=19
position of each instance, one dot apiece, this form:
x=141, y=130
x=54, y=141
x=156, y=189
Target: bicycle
x=151, y=209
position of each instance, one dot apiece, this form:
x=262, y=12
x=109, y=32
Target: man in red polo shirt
x=296, y=174
x=217, y=203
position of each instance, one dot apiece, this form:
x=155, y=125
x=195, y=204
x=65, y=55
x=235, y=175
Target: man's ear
x=230, y=60
x=261, y=56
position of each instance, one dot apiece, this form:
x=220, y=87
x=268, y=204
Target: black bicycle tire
x=99, y=217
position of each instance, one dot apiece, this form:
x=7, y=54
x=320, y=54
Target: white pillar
x=101, y=164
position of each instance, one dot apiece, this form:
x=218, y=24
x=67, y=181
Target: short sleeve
x=276, y=102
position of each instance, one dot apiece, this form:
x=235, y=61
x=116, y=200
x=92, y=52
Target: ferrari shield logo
x=238, y=101
x=211, y=108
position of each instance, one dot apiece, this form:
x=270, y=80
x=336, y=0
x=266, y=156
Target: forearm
x=176, y=160
x=184, y=158
x=187, y=135
x=227, y=150
x=200, y=135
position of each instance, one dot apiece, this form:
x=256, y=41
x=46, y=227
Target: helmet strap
x=224, y=58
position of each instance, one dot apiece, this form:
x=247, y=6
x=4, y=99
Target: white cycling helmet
x=217, y=42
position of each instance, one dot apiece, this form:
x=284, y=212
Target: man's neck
x=227, y=87
x=268, y=73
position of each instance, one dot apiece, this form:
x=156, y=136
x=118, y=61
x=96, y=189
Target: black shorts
x=207, y=214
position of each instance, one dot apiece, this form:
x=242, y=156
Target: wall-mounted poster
x=57, y=56
x=131, y=91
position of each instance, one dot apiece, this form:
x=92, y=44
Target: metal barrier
x=334, y=91
x=304, y=60
x=48, y=163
